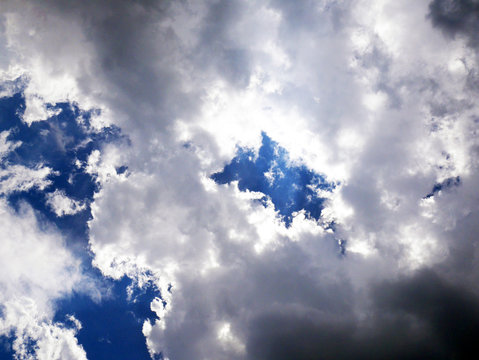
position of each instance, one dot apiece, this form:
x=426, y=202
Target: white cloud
x=5, y=145
x=52, y=341
x=62, y=205
x=36, y=270
x=35, y=109
x=22, y=178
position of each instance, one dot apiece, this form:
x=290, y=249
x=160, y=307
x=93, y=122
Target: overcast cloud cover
x=129, y=109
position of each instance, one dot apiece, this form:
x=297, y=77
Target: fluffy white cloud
x=63, y=205
x=36, y=270
x=36, y=336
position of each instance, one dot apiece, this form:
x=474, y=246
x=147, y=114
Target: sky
x=239, y=180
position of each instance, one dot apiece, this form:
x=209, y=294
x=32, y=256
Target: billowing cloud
x=379, y=97
x=36, y=270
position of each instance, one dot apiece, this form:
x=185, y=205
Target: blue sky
x=290, y=187
x=231, y=180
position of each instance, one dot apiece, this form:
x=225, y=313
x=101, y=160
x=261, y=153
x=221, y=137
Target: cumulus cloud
x=368, y=92
x=63, y=205
x=36, y=270
x=36, y=336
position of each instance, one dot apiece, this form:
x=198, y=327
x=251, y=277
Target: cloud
x=375, y=128
x=63, y=205
x=347, y=87
x=5, y=145
x=18, y=177
x=455, y=17
x=36, y=270
x=21, y=178
x=36, y=336
x=414, y=317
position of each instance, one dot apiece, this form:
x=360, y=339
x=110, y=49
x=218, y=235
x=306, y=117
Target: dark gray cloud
x=417, y=317
x=457, y=17
x=450, y=312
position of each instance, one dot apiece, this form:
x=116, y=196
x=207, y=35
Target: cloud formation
x=37, y=268
x=378, y=96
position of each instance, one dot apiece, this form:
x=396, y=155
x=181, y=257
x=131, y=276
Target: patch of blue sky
x=444, y=185
x=290, y=186
x=6, y=351
x=63, y=142
x=112, y=329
